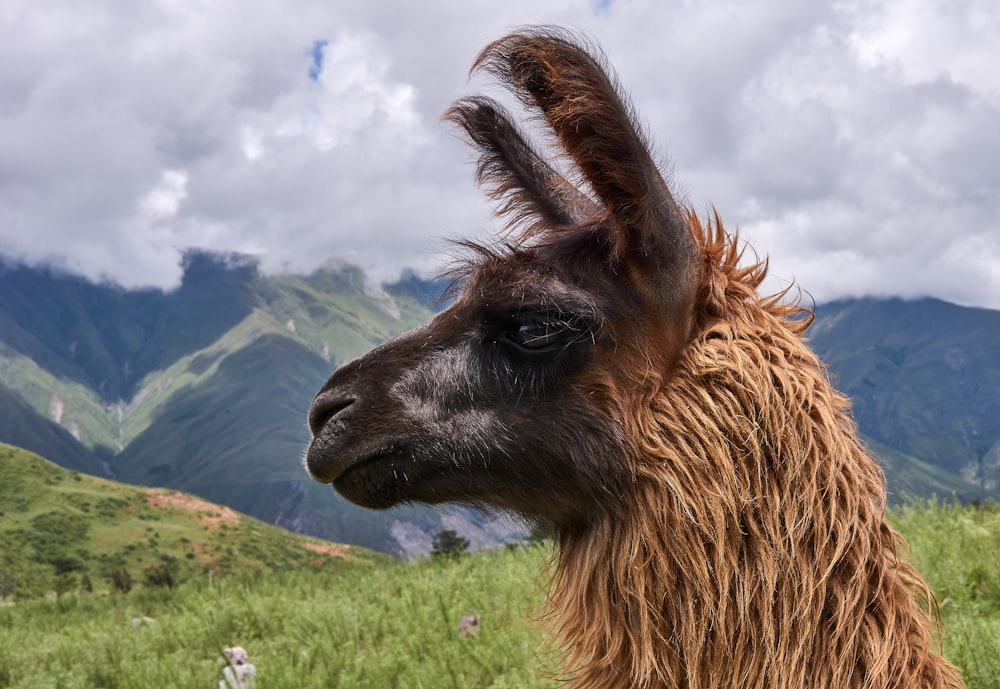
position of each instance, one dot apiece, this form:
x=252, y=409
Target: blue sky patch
x=316, y=53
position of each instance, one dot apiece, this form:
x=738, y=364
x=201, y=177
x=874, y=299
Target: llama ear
x=547, y=70
x=529, y=191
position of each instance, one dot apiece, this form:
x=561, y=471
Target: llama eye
x=542, y=334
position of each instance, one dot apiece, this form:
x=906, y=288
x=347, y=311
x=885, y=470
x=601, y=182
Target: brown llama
x=610, y=369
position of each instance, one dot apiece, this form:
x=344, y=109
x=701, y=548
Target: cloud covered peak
x=853, y=142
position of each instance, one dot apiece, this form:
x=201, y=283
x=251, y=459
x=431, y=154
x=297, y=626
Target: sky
x=854, y=143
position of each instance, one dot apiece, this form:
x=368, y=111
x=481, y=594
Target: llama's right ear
x=548, y=70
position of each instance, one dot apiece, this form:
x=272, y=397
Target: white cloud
x=252, y=142
x=851, y=140
x=353, y=96
x=927, y=41
x=164, y=201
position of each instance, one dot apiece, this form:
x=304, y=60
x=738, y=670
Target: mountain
x=23, y=426
x=59, y=525
x=107, y=338
x=205, y=388
x=924, y=377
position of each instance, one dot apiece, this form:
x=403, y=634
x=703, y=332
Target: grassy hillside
x=58, y=526
x=395, y=625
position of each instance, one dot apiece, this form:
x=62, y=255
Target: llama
x=608, y=368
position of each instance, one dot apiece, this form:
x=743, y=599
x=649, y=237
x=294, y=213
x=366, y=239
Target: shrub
x=160, y=576
x=449, y=544
x=121, y=580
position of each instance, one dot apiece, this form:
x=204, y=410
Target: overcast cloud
x=854, y=142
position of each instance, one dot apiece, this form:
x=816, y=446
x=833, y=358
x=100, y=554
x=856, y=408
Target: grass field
x=391, y=626
x=395, y=625
x=958, y=550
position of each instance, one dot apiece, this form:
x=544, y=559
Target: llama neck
x=751, y=551
x=651, y=599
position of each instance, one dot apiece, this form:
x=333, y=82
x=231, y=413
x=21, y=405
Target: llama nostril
x=324, y=408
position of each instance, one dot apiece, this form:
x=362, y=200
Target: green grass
x=957, y=548
x=395, y=625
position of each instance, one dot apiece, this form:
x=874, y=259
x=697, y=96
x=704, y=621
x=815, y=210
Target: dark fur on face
x=612, y=370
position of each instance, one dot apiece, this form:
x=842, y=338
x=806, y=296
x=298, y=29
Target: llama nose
x=326, y=406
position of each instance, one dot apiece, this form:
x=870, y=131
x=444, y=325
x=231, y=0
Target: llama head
x=521, y=393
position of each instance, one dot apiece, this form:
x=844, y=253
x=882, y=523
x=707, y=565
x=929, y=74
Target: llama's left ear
x=529, y=191
x=548, y=70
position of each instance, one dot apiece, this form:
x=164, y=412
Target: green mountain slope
x=100, y=360
x=237, y=438
x=59, y=525
x=924, y=377
x=22, y=426
x=108, y=338
x=910, y=477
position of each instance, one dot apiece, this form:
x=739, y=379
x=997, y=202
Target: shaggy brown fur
x=754, y=552
x=612, y=371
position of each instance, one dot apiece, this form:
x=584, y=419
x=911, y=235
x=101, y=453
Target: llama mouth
x=375, y=480
x=327, y=461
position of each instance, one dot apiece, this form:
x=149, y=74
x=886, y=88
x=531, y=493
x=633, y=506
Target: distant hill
x=205, y=388
x=23, y=426
x=924, y=376
x=59, y=525
x=108, y=338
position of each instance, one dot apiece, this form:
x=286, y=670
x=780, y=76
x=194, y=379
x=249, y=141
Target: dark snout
x=354, y=447
x=327, y=431
x=346, y=415
x=327, y=405
x=362, y=437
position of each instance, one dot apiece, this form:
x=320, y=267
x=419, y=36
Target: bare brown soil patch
x=204, y=554
x=331, y=549
x=212, y=515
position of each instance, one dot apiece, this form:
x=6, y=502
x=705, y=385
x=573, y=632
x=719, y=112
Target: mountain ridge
x=221, y=420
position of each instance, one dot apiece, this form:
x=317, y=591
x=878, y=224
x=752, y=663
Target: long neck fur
x=752, y=550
